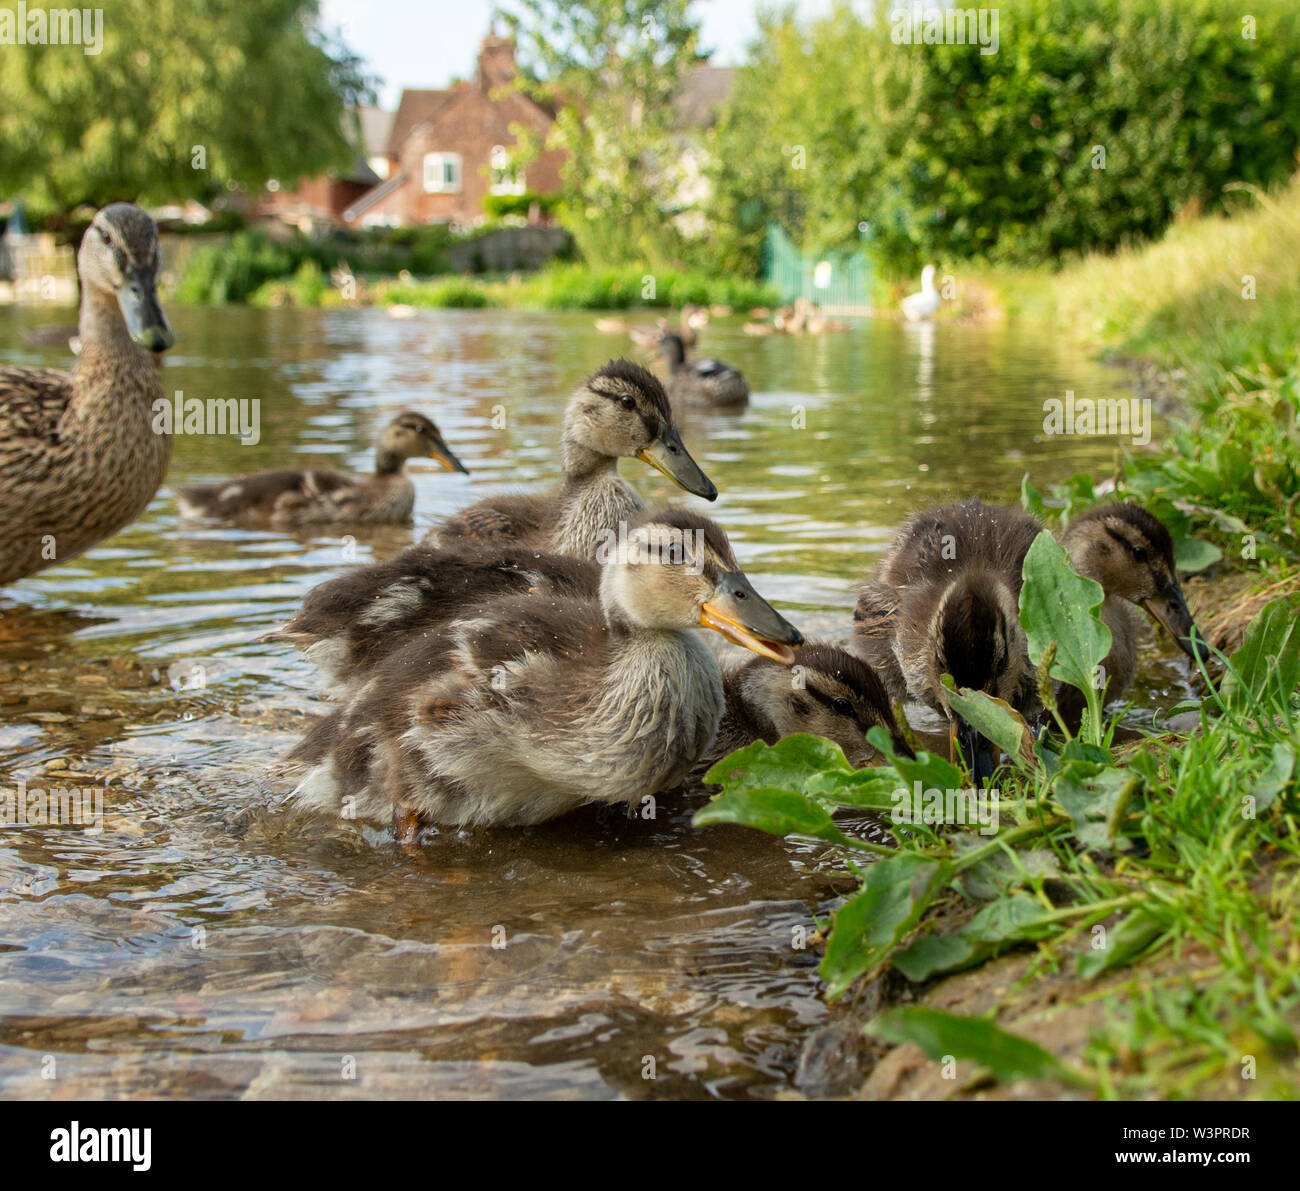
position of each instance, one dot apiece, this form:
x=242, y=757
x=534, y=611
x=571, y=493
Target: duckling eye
x=842, y=707
x=1139, y=554
x=103, y=235
x=627, y=402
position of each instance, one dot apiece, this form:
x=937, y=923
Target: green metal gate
x=839, y=282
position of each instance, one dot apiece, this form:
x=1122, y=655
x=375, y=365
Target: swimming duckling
x=319, y=496
x=706, y=382
x=1131, y=554
x=828, y=692
x=79, y=457
x=620, y=411
x=527, y=708
x=347, y=624
x=944, y=599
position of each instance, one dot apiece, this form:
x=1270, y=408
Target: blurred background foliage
x=946, y=152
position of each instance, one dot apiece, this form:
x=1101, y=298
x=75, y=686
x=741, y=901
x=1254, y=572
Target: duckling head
x=974, y=634
x=829, y=693
x=622, y=411
x=673, y=570
x=413, y=436
x=1130, y=553
x=119, y=258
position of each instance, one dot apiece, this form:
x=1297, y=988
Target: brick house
x=448, y=150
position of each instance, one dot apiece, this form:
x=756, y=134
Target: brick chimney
x=496, y=61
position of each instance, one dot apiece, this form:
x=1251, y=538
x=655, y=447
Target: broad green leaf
x=1002, y=924
x=785, y=765
x=1089, y=794
x=1015, y=919
x=927, y=768
x=930, y=955
x=876, y=788
x=1195, y=554
x=868, y=927
x=1124, y=942
x=1269, y=657
x=975, y=1039
x=996, y=720
x=778, y=812
x=1057, y=604
x=1000, y=873
x=1275, y=778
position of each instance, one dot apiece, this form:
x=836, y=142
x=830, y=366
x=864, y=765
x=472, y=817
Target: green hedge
x=953, y=154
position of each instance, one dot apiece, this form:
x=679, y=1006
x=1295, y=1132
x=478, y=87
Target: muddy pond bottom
x=202, y=939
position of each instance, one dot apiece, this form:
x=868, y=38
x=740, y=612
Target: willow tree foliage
x=185, y=98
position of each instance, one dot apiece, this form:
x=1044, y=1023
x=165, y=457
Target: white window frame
x=502, y=178
x=435, y=173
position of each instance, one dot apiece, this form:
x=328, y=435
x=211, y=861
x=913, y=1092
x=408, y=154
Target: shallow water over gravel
x=209, y=942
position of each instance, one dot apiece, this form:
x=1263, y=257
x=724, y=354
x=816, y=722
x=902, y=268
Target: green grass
x=1185, y=842
x=1232, y=465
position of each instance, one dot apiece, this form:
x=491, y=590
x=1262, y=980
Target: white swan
x=924, y=303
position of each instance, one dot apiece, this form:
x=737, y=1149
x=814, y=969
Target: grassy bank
x=1145, y=893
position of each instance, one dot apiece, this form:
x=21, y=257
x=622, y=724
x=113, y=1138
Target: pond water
x=210, y=942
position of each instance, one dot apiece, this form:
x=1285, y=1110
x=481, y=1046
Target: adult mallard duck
x=347, y=624
x=828, y=692
x=527, y=708
x=945, y=599
x=79, y=458
x=620, y=411
x=703, y=382
x=291, y=497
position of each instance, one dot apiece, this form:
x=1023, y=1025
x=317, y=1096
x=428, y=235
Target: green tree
x=185, y=99
x=615, y=68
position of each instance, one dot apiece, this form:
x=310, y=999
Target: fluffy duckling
x=945, y=600
x=829, y=693
x=1131, y=554
x=79, y=458
x=620, y=411
x=529, y=708
x=291, y=497
x=347, y=624
x=705, y=382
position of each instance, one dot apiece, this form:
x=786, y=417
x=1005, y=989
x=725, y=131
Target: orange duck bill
x=741, y=615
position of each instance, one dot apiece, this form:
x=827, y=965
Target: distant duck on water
x=924, y=304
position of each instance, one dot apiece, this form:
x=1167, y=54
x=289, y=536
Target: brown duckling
x=620, y=411
x=945, y=599
x=1131, y=554
x=347, y=624
x=702, y=382
x=79, y=456
x=828, y=692
x=529, y=708
x=290, y=497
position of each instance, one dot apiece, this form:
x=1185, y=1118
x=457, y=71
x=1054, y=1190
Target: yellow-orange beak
x=753, y=624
